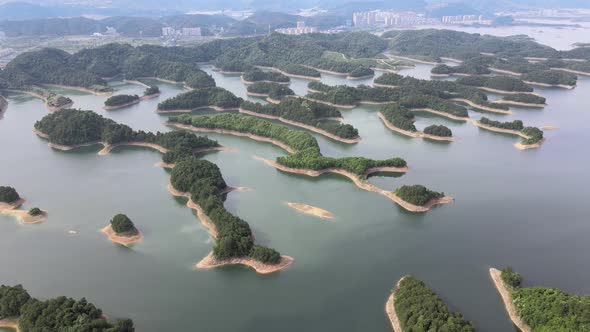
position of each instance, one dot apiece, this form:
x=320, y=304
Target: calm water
x=527, y=209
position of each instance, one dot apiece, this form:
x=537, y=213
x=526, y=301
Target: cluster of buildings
x=466, y=19
x=170, y=32
x=376, y=18
x=299, y=30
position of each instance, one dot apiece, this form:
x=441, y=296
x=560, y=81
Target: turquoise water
x=519, y=208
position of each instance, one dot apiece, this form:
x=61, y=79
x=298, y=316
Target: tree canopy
x=122, y=225
x=8, y=194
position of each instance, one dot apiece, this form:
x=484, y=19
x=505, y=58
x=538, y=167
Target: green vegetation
x=205, y=183
x=122, y=225
x=514, y=125
x=550, y=77
x=548, y=309
x=504, y=83
x=417, y=194
x=152, y=90
x=57, y=314
x=35, y=212
x=8, y=194
x=257, y=75
x=307, y=112
x=71, y=127
x=57, y=101
x=273, y=90
x=361, y=72
x=399, y=116
x=308, y=155
x=438, y=130
x=535, y=135
x=299, y=70
x=201, y=98
x=120, y=100
x=472, y=66
x=421, y=309
x=526, y=98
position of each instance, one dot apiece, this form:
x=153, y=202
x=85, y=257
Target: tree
x=121, y=224
x=8, y=194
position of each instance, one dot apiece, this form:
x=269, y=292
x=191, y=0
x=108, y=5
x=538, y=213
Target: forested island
x=305, y=157
x=216, y=98
x=497, y=84
x=400, y=119
x=121, y=230
x=419, y=195
x=256, y=75
x=305, y=114
x=24, y=313
x=535, y=309
x=412, y=306
x=121, y=101
x=532, y=136
x=273, y=92
x=10, y=202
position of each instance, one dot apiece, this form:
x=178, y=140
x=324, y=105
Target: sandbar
x=546, y=85
x=312, y=210
x=417, y=134
x=232, y=132
x=123, y=240
x=390, y=309
x=451, y=59
x=290, y=75
x=23, y=216
x=482, y=107
x=304, y=126
x=496, y=276
x=521, y=146
x=549, y=127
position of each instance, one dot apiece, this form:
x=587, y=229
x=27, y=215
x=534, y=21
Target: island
x=22, y=312
x=10, y=202
x=540, y=308
x=52, y=101
x=218, y=99
x=497, y=84
x=415, y=197
x=256, y=75
x=532, y=136
x=122, y=101
x=299, y=112
x=121, y=230
x=305, y=157
x=401, y=120
x=412, y=306
x=273, y=92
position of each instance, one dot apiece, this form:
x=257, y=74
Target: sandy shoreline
x=290, y=75
x=311, y=210
x=363, y=184
x=519, y=145
x=577, y=72
x=261, y=81
x=390, y=309
x=41, y=97
x=213, y=107
x=10, y=323
x=209, y=261
x=502, y=71
x=329, y=104
x=448, y=59
x=496, y=276
x=446, y=115
x=232, y=132
x=23, y=216
x=326, y=71
x=414, y=60
x=385, y=85
x=137, y=101
x=126, y=241
x=356, y=78
x=417, y=134
x=545, y=85
x=504, y=92
x=482, y=107
x=136, y=83
x=519, y=103
x=109, y=147
x=304, y=126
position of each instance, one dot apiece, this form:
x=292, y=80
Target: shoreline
x=443, y=114
x=137, y=101
x=304, y=126
x=326, y=71
x=496, y=276
x=448, y=59
x=390, y=308
x=547, y=85
x=417, y=134
x=23, y=216
x=10, y=323
x=329, y=104
x=209, y=261
x=261, y=81
x=521, y=146
x=42, y=98
x=414, y=60
x=79, y=88
x=577, y=72
x=109, y=147
x=504, y=92
x=223, y=72
x=519, y=103
x=123, y=240
x=311, y=78
x=136, y=82
x=356, y=78
x=363, y=184
x=385, y=85
x=502, y=71
x=213, y=107
x=481, y=107
x=232, y=132
x=311, y=210
x=518, y=145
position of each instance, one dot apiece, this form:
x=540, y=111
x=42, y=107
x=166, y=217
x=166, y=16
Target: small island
x=20, y=311
x=311, y=210
x=273, y=92
x=10, y=202
x=532, y=136
x=361, y=73
x=413, y=306
x=121, y=230
x=417, y=198
x=401, y=120
x=121, y=101
x=540, y=308
x=256, y=75
x=218, y=99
